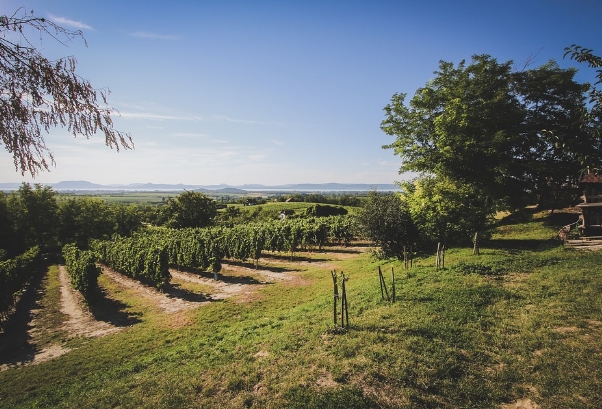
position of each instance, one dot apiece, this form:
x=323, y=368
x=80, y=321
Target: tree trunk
x=475, y=250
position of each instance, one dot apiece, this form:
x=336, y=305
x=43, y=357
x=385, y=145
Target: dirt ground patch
x=166, y=302
x=81, y=321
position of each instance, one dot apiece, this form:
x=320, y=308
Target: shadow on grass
x=559, y=220
x=522, y=244
x=295, y=258
x=112, y=311
x=222, y=277
x=15, y=341
x=174, y=290
x=251, y=265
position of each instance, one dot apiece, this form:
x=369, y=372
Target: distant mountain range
x=303, y=187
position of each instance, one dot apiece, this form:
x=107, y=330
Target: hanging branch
x=37, y=94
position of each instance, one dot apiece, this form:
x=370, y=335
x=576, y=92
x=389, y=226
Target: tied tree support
x=342, y=297
x=383, y=285
x=440, y=258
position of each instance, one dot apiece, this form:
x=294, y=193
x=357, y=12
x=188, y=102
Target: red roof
x=592, y=178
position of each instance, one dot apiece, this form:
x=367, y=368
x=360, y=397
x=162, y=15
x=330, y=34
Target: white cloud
x=196, y=135
x=71, y=23
x=159, y=117
x=154, y=36
x=238, y=121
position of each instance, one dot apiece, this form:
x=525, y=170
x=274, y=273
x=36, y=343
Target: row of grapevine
x=14, y=275
x=143, y=257
x=147, y=255
x=82, y=269
x=204, y=248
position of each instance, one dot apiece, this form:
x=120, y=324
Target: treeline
x=39, y=216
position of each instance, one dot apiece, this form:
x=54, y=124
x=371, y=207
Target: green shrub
x=82, y=269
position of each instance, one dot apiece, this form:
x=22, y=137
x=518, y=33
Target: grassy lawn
x=520, y=322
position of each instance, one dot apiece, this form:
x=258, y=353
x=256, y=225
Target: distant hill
x=75, y=185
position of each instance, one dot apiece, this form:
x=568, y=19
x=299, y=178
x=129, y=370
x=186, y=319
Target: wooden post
x=383, y=285
x=336, y=295
x=437, y=257
x=475, y=249
x=443, y=256
x=393, y=288
x=344, y=309
x=380, y=279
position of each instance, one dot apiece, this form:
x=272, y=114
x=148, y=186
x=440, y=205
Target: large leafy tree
x=447, y=211
x=37, y=94
x=33, y=215
x=490, y=127
x=189, y=209
x=83, y=219
x=591, y=119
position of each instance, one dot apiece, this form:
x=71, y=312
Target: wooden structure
x=591, y=208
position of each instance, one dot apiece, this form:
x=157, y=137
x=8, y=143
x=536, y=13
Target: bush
x=386, y=220
x=82, y=269
x=319, y=210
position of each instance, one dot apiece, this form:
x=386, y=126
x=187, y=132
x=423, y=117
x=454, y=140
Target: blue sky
x=276, y=92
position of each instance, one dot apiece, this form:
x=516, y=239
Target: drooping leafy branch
x=37, y=94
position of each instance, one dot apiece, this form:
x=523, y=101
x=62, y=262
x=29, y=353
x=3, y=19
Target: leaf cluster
x=82, y=269
x=15, y=273
x=37, y=94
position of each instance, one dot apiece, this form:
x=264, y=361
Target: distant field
x=144, y=198
x=154, y=198
x=297, y=207
x=130, y=197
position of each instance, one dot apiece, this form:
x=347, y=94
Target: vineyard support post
x=336, y=296
x=393, y=288
x=382, y=284
x=344, y=309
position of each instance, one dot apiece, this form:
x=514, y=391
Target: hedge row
x=14, y=276
x=82, y=269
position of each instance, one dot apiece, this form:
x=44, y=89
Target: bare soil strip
x=81, y=321
x=220, y=289
x=164, y=301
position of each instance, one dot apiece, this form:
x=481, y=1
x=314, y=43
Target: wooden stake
x=336, y=295
x=380, y=279
x=344, y=309
x=393, y=288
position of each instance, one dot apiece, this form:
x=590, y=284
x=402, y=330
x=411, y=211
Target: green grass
x=521, y=321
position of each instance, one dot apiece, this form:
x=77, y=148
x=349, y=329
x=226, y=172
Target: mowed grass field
x=518, y=326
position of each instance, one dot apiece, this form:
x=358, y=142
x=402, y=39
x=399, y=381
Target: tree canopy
x=512, y=135
x=188, y=209
x=386, y=220
x=37, y=94
x=591, y=118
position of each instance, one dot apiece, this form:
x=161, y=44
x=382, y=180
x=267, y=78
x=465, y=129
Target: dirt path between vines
x=241, y=280
x=81, y=321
